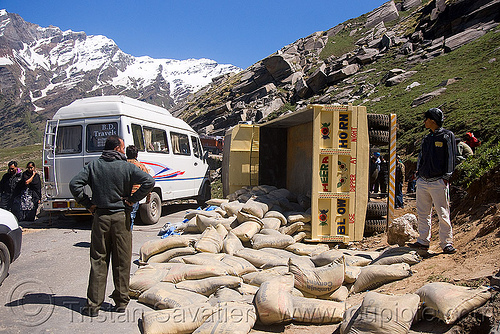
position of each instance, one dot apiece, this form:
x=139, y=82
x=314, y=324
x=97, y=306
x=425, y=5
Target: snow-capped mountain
x=42, y=69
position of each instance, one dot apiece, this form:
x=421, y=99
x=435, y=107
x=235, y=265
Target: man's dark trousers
x=111, y=238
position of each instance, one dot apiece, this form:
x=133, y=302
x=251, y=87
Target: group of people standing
x=21, y=192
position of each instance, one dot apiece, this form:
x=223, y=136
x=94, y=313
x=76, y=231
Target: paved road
x=47, y=284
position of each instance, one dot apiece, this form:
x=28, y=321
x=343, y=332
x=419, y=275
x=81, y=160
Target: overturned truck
x=323, y=152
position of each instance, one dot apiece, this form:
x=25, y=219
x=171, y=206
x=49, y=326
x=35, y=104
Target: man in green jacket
x=111, y=179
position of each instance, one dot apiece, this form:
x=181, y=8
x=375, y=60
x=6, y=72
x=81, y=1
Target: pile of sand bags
x=244, y=258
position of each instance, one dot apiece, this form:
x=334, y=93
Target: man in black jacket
x=8, y=184
x=111, y=179
x=435, y=165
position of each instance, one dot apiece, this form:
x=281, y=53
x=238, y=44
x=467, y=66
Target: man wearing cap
x=435, y=165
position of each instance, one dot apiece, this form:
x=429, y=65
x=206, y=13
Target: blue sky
x=229, y=32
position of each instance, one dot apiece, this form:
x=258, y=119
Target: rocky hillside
x=403, y=58
x=43, y=69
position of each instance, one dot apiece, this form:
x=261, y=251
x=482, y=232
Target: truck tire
x=4, y=261
x=379, y=122
x=376, y=210
x=378, y=137
x=151, y=212
x=375, y=226
x=205, y=194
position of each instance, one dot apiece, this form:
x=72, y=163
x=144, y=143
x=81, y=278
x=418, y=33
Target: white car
x=10, y=241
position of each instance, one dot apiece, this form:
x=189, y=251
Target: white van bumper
x=62, y=205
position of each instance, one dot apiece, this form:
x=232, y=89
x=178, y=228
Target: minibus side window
x=69, y=139
x=196, y=147
x=98, y=133
x=138, y=137
x=180, y=143
x=156, y=140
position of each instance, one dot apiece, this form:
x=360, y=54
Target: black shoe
x=89, y=311
x=449, y=249
x=418, y=245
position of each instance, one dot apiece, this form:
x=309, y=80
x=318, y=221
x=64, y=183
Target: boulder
x=317, y=81
x=427, y=97
x=399, y=78
x=279, y=66
x=342, y=73
x=366, y=55
x=302, y=89
x=385, y=13
x=464, y=37
x=409, y=4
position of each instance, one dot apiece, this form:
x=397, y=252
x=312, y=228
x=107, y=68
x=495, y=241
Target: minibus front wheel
x=151, y=212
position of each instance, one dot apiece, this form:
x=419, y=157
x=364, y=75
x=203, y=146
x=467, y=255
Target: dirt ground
x=476, y=228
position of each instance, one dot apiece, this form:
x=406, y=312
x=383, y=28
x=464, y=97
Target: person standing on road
x=28, y=194
x=435, y=165
x=8, y=184
x=131, y=153
x=111, y=179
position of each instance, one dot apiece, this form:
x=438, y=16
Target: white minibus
x=168, y=146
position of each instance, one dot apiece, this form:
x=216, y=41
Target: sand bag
x=255, y=208
x=292, y=228
x=259, y=277
x=224, y=295
x=152, y=247
x=203, y=222
x=371, y=255
x=230, y=318
x=183, y=320
x=277, y=215
x=294, y=217
x=450, y=302
x=195, y=213
x=144, y=278
x=326, y=257
x=351, y=273
x=247, y=289
x=339, y=295
x=298, y=237
x=307, y=249
x=246, y=230
x=180, y=272
x=217, y=201
x=271, y=223
x=392, y=255
x=318, y=281
x=203, y=258
x=315, y=311
x=207, y=286
x=238, y=265
x=170, y=254
x=301, y=260
x=272, y=241
x=261, y=259
x=356, y=261
x=232, y=207
x=188, y=227
x=381, y=314
x=231, y=244
x=210, y=241
x=274, y=301
x=371, y=277
x=165, y=295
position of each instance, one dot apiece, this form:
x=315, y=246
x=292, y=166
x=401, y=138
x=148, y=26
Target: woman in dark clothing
x=27, y=194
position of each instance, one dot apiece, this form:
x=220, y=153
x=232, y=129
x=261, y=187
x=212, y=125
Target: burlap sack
x=224, y=295
x=326, y=257
x=207, y=286
x=232, y=207
x=292, y=228
x=170, y=254
x=356, y=261
x=182, y=320
x=271, y=223
x=298, y=237
x=255, y=208
x=203, y=222
x=164, y=295
x=372, y=255
x=180, y=272
x=273, y=241
x=189, y=227
x=450, y=302
x=230, y=318
x=217, y=201
x=261, y=259
x=301, y=260
x=144, y=278
x=307, y=249
x=339, y=295
x=316, y=311
x=155, y=246
x=318, y=281
x=278, y=215
x=203, y=258
x=392, y=255
x=231, y=244
x=294, y=217
x=238, y=265
x=274, y=301
x=259, y=277
x=246, y=230
x=210, y=241
x=351, y=273
x=381, y=314
x=371, y=277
